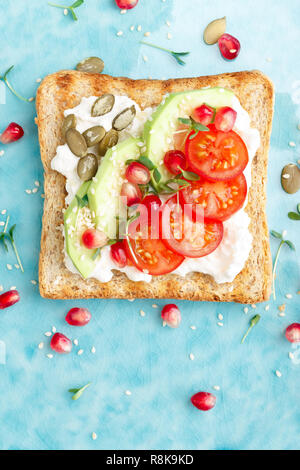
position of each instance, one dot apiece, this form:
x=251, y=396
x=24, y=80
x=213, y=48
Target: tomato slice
x=218, y=199
x=151, y=255
x=216, y=155
x=186, y=234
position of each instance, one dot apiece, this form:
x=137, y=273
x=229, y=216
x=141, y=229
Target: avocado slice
x=159, y=129
x=105, y=188
x=81, y=257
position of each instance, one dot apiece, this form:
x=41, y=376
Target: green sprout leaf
x=282, y=242
x=276, y=234
x=189, y=175
x=11, y=88
x=147, y=163
x=70, y=8
x=156, y=175
x=254, y=320
x=9, y=235
x=82, y=201
x=77, y=392
x=194, y=126
x=176, y=55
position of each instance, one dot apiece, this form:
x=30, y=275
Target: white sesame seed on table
x=12, y=288
x=220, y=316
x=164, y=323
x=267, y=307
x=1, y=153
x=145, y=58
x=48, y=333
x=139, y=28
x=50, y=356
x=253, y=305
x=94, y=436
x=128, y=393
x=191, y=356
x=154, y=306
x=9, y=267
x=93, y=350
x=289, y=296
x=168, y=23
x=53, y=329
x=291, y=355
x=142, y=313
x=66, y=11
x=119, y=33
x=147, y=34
x=41, y=345
x=3, y=212
x=220, y=323
x=193, y=327
x=1, y=288
x=281, y=314
x=80, y=352
x=38, y=80
x=35, y=190
x=28, y=191
x=278, y=373
x=122, y=12
x=75, y=341
x=292, y=144
x=131, y=28
x=2, y=224
x=216, y=387
x=284, y=233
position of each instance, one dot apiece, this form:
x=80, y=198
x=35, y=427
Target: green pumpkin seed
x=214, y=30
x=76, y=142
x=87, y=167
x=124, y=118
x=69, y=122
x=91, y=65
x=109, y=140
x=290, y=178
x=94, y=135
x=103, y=105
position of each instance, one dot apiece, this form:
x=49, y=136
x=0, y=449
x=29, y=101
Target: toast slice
x=64, y=90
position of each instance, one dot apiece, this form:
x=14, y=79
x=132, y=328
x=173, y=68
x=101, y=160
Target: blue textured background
x=255, y=409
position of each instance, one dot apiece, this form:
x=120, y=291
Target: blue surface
x=255, y=409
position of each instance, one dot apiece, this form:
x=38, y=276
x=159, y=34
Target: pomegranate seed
x=9, y=298
x=174, y=159
x=78, y=316
x=132, y=193
x=137, y=173
x=225, y=119
x=61, y=344
x=229, y=46
x=171, y=315
x=292, y=333
x=12, y=133
x=93, y=238
x=118, y=254
x=126, y=4
x=152, y=203
x=203, y=401
x=203, y=114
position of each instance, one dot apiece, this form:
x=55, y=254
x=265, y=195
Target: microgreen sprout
x=69, y=8
x=8, y=235
x=254, y=320
x=194, y=126
x=177, y=55
x=11, y=88
x=282, y=242
x=295, y=215
x=77, y=392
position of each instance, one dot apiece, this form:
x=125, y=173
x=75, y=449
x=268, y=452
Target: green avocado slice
x=159, y=129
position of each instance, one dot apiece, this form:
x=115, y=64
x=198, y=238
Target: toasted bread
x=64, y=90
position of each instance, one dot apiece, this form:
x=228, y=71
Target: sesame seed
x=120, y=33
x=246, y=309
x=94, y=436
x=128, y=393
x=192, y=357
x=289, y=296
x=75, y=341
x=37, y=183
x=142, y=313
x=1, y=153
x=168, y=23
x=53, y=329
x=122, y=12
x=17, y=266
x=139, y=28
x=154, y=306
x=93, y=191
x=50, y=356
x=291, y=355
x=1, y=288
x=93, y=350
x=145, y=58
x=80, y=352
x=292, y=144
x=3, y=212
x=13, y=288
x=220, y=323
x=232, y=51
x=38, y=80
x=147, y=34
x=41, y=345
x=193, y=327
x=284, y=233
x=131, y=300
x=169, y=36
x=9, y=267
x=278, y=373
x=35, y=190
x=131, y=28
x=253, y=305
x=216, y=387
x=2, y=224
x=281, y=314
x=164, y=323
x=220, y=316
x=65, y=11
x=28, y=191
x=267, y=307
x=48, y=333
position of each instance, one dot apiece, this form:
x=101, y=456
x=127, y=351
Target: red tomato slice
x=216, y=155
x=150, y=255
x=218, y=199
x=187, y=236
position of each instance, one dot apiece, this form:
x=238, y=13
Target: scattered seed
x=278, y=373
x=2, y=224
x=147, y=34
x=13, y=288
x=66, y=11
x=253, y=305
x=50, y=356
x=9, y=267
x=1, y=153
x=220, y=323
x=291, y=355
x=164, y=323
x=128, y=392
x=193, y=327
x=75, y=342
x=53, y=329
x=145, y=58
x=131, y=28
x=246, y=309
x=28, y=191
x=131, y=300
x=281, y=308
x=281, y=314
x=192, y=357
x=122, y=12
x=268, y=59
x=154, y=306
x=3, y=212
x=168, y=23
x=41, y=345
x=142, y=313
x=220, y=316
x=35, y=190
x=1, y=288
x=93, y=350
x=289, y=296
x=33, y=282
x=48, y=333
x=267, y=307
x=139, y=28
x=31, y=99
x=292, y=144
x=80, y=352
x=17, y=266
x=94, y=435
x=38, y=80
x=284, y=233
x=120, y=33
x=169, y=36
